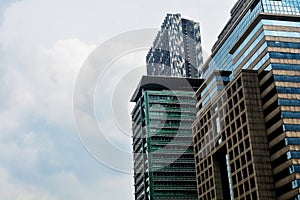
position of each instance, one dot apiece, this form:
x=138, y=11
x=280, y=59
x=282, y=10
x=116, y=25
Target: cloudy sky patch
x=43, y=46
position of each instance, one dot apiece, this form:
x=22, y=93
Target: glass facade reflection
x=176, y=50
x=221, y=58
x=262, y=36
x=163, y=154
x=291, y=7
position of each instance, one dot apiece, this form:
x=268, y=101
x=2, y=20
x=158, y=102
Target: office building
x=231, y=148
x=176, y=50
x=164, y=166
x=262, y=38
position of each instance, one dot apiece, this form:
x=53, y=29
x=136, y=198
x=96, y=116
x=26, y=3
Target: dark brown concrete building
x=231, y=154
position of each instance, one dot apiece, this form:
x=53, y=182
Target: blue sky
x=43, y=46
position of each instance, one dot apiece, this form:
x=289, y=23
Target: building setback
x=176, y=50
x=262, y=36
x=164, y=166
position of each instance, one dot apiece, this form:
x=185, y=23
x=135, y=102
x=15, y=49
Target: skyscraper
x=176, y=50
x=164, y=166
x=262, y=36
x=231, y=149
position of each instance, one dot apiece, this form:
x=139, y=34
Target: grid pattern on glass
x=176, y=50
x=163, y=154
x=282, y=6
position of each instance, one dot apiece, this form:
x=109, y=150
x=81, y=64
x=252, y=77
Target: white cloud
x=42, y=82
x=45, y=159
x=43, y=45
x=65, y=185
x=11, y=190
x=94, y=20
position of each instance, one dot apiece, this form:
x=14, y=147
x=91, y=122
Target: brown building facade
x=230, y=144
x=262, y=36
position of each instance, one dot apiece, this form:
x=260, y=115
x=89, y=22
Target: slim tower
x=176, y=50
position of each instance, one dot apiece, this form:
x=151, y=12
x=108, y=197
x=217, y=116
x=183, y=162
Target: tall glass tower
x=263, y=37
x=176, y=50
x=164, y=166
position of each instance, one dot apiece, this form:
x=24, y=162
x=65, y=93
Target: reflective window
x=293, y=154
x=294, y=168
x=213, y=81
x=255, y=55
x=249, y=49
x=229, y=177
x=287, y=78
x=282, y=6
x=288, y=102
x=285, y=67
x=293, y=115
x=249, y=37
x=261, y=62
x=292, y=141
x=282, y=33
x=295, y=183
x=280, y=23
x=222, y=60
x=291, y=127
x=210, y=95
x=283, y=44
x=284, y=90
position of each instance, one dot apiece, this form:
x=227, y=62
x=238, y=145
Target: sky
x=67, y=70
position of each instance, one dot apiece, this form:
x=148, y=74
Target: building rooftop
x=240, y=7
x=159, y=83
